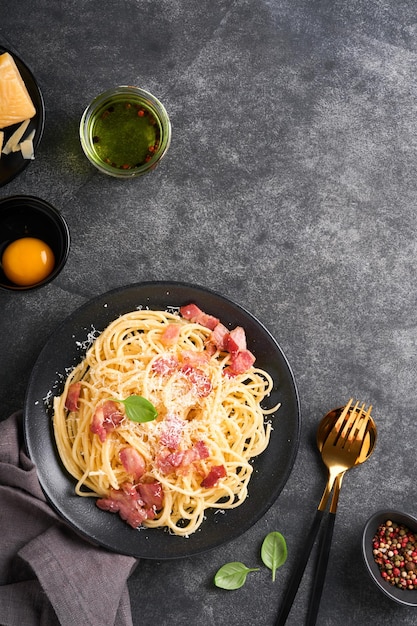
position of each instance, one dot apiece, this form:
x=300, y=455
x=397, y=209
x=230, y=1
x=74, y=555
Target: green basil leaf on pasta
x=274, y=551
x=233, y=575
x=139, y=409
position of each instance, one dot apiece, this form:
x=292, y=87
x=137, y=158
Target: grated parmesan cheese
x=91, y=337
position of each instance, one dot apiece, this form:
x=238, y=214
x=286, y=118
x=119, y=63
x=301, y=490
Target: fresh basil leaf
x=139, y=409
x=274, y=551
x=233, y=575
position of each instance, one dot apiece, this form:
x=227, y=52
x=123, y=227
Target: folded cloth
x=48, y=574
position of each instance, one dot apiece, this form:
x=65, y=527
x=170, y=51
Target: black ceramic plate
x=12, y=164
x=66, y=347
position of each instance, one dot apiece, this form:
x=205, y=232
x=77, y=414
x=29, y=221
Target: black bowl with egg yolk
x=29, y=216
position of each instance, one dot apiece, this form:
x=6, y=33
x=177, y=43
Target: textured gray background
x=290, y=187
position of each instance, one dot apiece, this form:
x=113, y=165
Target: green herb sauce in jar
x=125, y=134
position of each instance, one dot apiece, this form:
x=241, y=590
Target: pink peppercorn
x=395, y=552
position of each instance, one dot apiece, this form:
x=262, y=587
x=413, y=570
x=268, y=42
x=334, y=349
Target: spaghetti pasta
x=196, y=454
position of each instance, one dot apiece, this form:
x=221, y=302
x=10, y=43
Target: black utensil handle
x=321, y=569
x=297, y=575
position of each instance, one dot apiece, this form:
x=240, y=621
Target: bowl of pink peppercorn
x=389, y=548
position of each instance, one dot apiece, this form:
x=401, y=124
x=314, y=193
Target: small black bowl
x=28, y=216
x=406, y=597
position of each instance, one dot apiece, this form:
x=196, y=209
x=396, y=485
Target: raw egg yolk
x=27, y=261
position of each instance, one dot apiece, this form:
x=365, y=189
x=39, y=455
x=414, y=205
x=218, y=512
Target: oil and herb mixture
x=125, y=134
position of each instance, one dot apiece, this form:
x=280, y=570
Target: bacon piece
x=170, y=334
x=180, y=461
x=235, y=341
x=202, y=449
x=176, y=458
x=214, y=475
x=190, y=311
x=127, y=502
x=163, y=462
x=165, y=365
x=133, y=506
x=167, y=462
x=106, y=418
x=194, y=357
x=208, y=321
x=240, y=363
x=73, y=395
x=189, y=457
x=210, y=348
x=200, y=381
x=133, y=462
x=151, y=494
x=218, y=336
x=194, y=314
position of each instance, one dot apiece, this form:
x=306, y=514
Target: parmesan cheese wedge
x=12, y=144
x=15, y=102
x=26, y=146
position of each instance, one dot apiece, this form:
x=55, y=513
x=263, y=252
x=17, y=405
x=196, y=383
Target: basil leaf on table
x=233, y=575
x=139, y=409
x=274, y=551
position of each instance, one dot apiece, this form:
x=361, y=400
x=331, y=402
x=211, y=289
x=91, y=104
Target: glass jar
x=125, y=132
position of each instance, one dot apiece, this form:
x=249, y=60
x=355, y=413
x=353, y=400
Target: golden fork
x=343, y=447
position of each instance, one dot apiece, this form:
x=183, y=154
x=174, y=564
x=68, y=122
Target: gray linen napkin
x=48, y=574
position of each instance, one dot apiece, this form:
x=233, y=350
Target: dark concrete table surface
x=290, y=186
